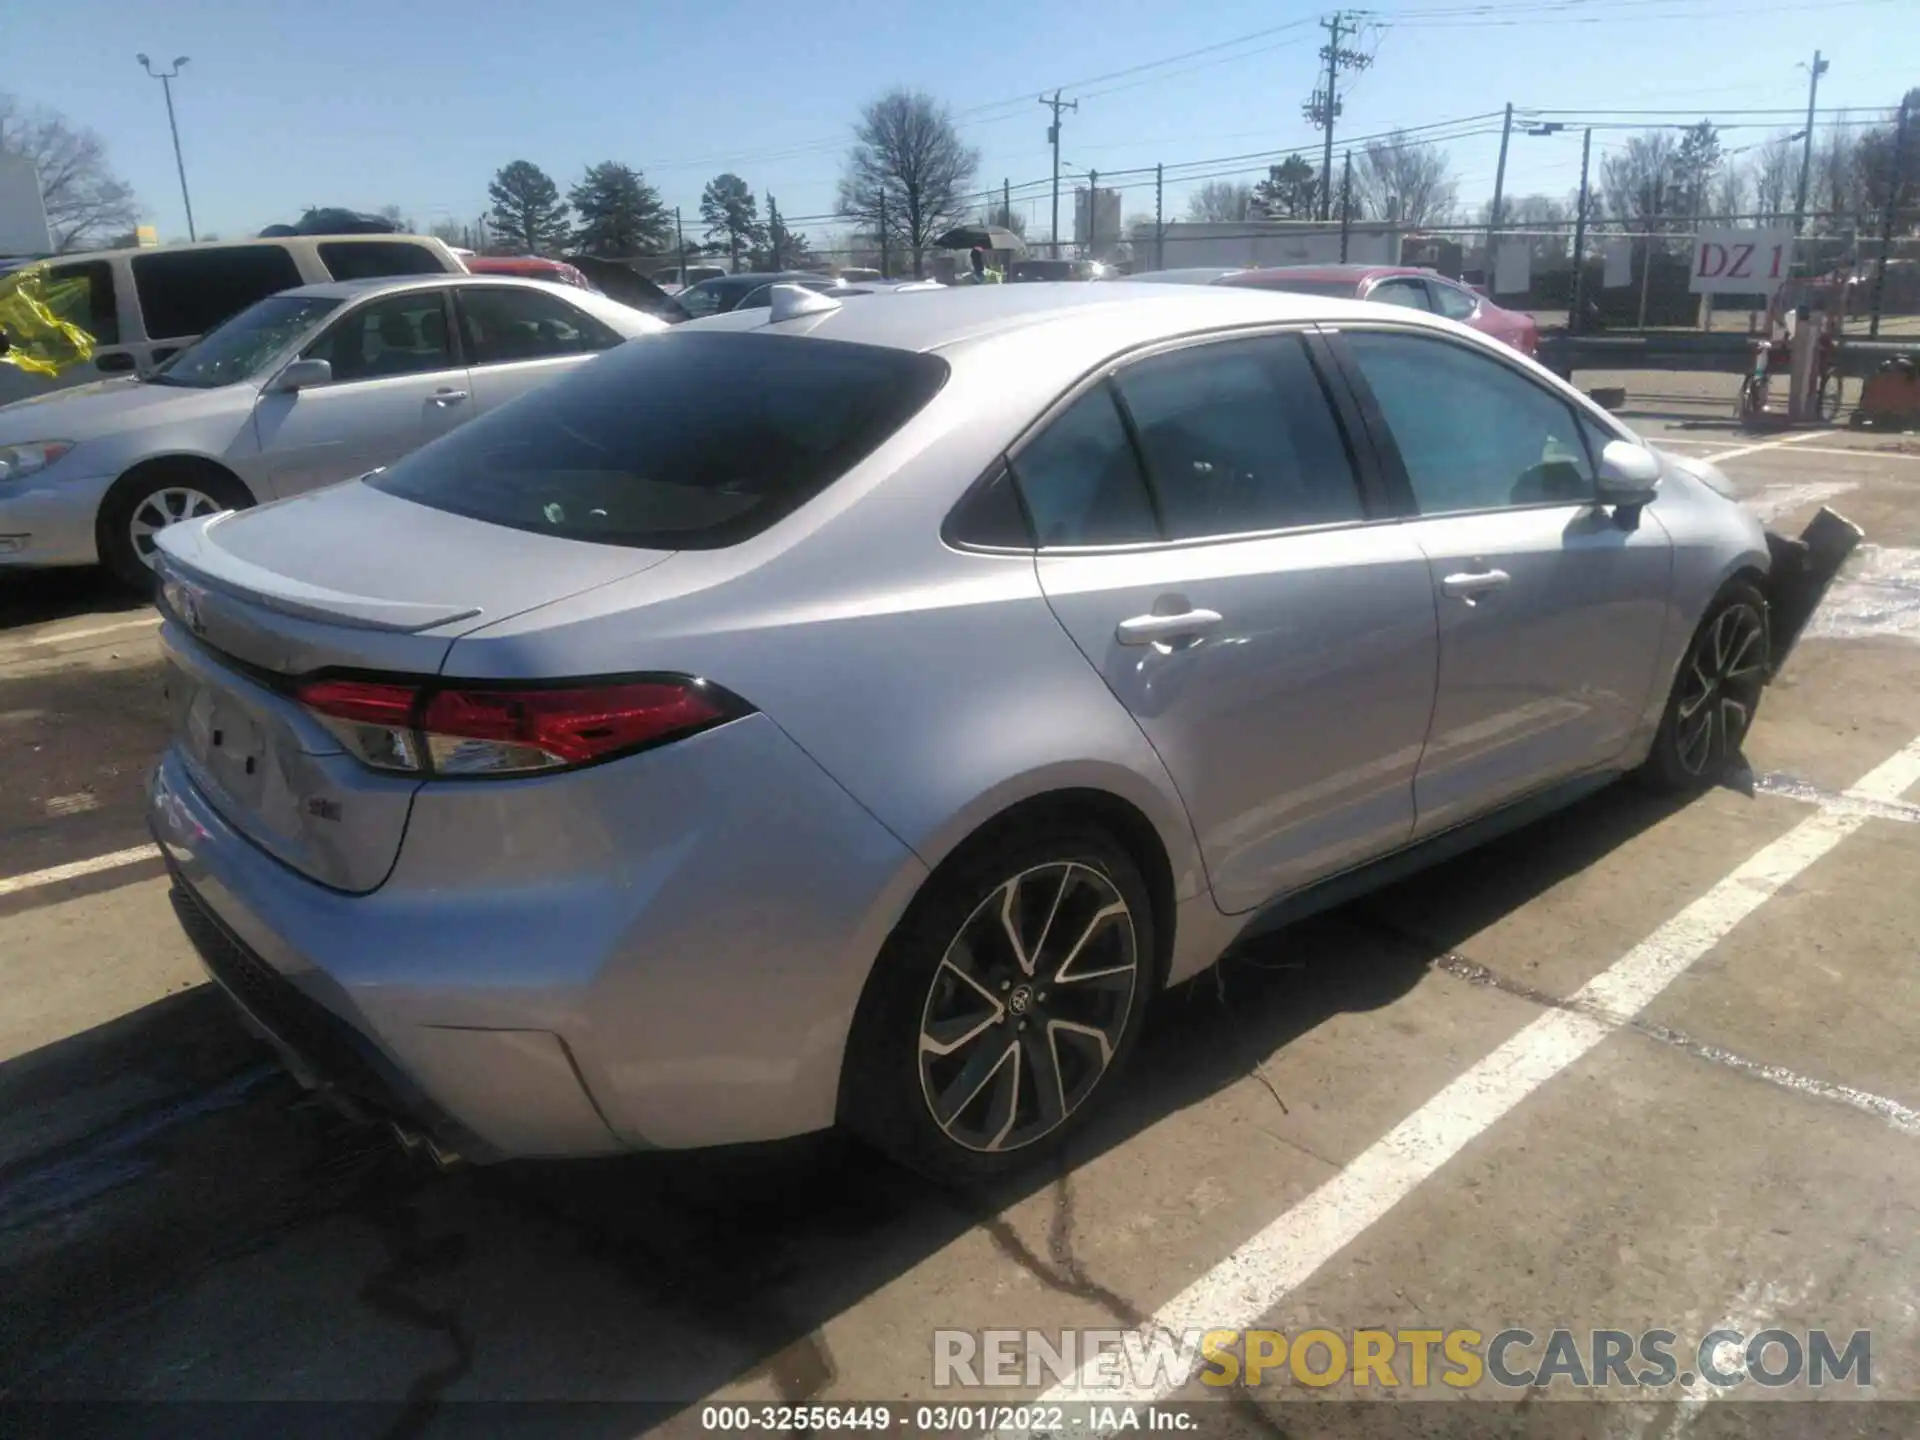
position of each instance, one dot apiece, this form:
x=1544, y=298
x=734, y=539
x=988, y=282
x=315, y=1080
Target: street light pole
x=1806, y=153
x=166, y=79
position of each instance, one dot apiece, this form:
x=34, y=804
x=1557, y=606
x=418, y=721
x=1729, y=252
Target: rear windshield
x=674, y=442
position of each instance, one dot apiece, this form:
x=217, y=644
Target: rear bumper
x=660, y=952
x=1802, y=571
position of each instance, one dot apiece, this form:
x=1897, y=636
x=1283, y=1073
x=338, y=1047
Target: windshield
x=673, y=441
x=706, y=298
x=240, y=347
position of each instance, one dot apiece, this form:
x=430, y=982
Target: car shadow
x=656, y=1277
x=37, y=597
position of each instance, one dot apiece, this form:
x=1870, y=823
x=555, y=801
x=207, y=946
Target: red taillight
x=486, y=731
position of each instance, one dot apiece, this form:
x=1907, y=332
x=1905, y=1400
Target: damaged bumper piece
x=1802, y=571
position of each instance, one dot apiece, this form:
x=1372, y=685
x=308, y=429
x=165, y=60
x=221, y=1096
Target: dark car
x=729, y=292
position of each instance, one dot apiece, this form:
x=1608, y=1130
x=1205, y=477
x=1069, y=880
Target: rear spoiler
x=1802, y=571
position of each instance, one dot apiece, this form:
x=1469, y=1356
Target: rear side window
x=1081, y=479
x=674, y=441
x=1409, y=292
x=1452, y=303
x=82, y=294
x=184, y=293
x=1239, y=437
x=377, y=259
x=503, y=324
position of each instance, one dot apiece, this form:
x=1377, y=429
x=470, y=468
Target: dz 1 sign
x=1740, y=262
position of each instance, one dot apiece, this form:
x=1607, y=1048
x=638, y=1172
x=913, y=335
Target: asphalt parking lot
x=1642, y=1066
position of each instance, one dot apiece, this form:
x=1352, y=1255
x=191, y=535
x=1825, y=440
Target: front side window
x=242, y=347
x=675, y=441
x=402, y=334
x=1408, y=292
x=184, y=293
x=82, y=294
x=502, y=324
x=1472, y=433
x=1081, y=478
x=1239, y=437
x=1455, y=304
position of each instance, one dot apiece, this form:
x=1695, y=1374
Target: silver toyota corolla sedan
x=308, y=387
x=860, y=713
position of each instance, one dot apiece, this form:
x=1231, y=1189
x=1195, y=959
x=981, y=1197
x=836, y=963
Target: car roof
x=1354, y=272
x=1127, y=315
x=282, y=241
x=352, y=289
x=1186, y=275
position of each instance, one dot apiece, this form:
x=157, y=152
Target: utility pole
x=1574, y=320
x=166, y=79
x=1323, y=108
x=680, y=244
x=1806, y=152
x=1006, y=203
x=1093, y=209
x=1346, y=202
x=1056, y=105
x=773, y=228
x=1499, y=192
x=1159, y=218
x=1890, y=215
x=883, y=236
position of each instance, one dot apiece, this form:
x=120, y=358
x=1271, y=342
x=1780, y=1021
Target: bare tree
x=1775, y=171
x=397, y=217
x=1401, y=179
x=1640, y=183
x=1219, y=201
x=1730, y=192
x=86, y=202
x=1539, y=213
x=908, y=171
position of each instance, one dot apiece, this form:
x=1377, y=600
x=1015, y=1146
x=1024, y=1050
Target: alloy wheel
x=164, y=507
x=1720, y=687
x=1028, y=1006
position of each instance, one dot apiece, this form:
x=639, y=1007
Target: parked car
x=673, y=279
x=1039, y=269
x=143, y=305
x=529, y=267
x=312, y=386
x=861, y=718
x=725, y=292
x=1399, y=285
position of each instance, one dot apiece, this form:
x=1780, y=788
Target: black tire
x=891, y=1083
x=1723, y=670
x=149, y=491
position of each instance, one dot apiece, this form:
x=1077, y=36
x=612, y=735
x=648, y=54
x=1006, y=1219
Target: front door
x=1205, y=541
x=396, y=385
x=1551, y=606
x=519, y=338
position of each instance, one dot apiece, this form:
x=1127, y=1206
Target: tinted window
x=82, y=294
x=1410, y=293
x=1453, y=303
x=1081, y=479
x=675, y=441
x=184, y=293
x=399, y=335
x=373, y=259
x=991, y=515
x=503, y=324
x=240, y=348
x=1240, y=437
x=1473, y=434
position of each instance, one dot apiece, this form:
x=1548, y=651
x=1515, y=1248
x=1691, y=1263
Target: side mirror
x=299, y=375
x=117, y=363
x=1629, y=474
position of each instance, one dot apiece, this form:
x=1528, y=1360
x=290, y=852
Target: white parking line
x=1802, y=449
x=73, y=870
x=145, y=622
x=1249, y=1283
x=1719, y=455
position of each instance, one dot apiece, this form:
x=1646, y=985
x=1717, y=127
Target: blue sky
x=361, y=103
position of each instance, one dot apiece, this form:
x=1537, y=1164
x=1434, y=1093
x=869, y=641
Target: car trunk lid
x=346, y=579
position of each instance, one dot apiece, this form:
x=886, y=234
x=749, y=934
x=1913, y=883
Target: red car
x=528, y=267
x=1400, y=285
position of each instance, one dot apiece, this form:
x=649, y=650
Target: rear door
x=1207, y=534
x=1551, y=606
x=397, y=383
x=519, y=338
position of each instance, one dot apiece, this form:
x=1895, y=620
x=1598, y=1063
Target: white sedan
x=305, y=388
